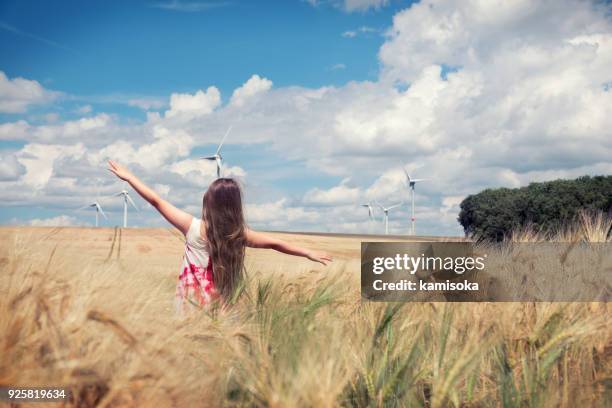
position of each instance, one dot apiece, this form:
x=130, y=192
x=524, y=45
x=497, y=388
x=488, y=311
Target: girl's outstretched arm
x=180, y=219
x=259, y=240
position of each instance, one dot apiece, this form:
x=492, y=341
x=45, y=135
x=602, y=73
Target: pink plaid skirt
x=195, y=285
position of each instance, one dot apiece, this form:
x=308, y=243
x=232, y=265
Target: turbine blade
x=208, y=158
x=407, y=176
x=101, y=212
x=132, y=202
x=394, y=206
x=223, y=140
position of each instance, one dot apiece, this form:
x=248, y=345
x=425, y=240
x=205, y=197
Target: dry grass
x=92, y=311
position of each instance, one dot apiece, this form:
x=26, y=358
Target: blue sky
x=329, y=99
x=114, y=47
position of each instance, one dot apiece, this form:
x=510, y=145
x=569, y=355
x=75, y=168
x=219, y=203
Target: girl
x=214, y=244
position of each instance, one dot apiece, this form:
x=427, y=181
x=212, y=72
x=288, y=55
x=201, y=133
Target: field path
x=112, y=247
x=119, y=244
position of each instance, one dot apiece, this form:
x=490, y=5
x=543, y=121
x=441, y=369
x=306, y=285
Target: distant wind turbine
x=386, y=213
x=410, y=183
x=217, y=156
x=96, y=204
x=98, y=208
x=370, y=210
x=371, y=219
x=126, y=199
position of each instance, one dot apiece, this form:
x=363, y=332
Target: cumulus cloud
x=17, y=94
x=146, y=103
x=10, y=168
x=39, y=159
x=279, y=214
x=59, y=221
x=254, y=86
x=351, y=5
x=83, y=110
x=165, y=146
x=203, y=172
x=363, y=5
x=87, y=127
x=340, y=194
x=14, y=130
x=198, y=104
x=360, y=30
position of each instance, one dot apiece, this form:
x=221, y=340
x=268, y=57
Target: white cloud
x=10, y=168
x=165, y=146
x=198, y=104
x=363, y=5
x=79, y=129
x=203, y=172
x=14, y=130
x=83, y=110
x=338, y=67
x=18, y=94
x=360, y=30
x=146, y=103
x=278, y=214
x=162, y=189
x=254, y=86
x=39, y=159
x=59, y=221
x=351, y=5
x=341, y=194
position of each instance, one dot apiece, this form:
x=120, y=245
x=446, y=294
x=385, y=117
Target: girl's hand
x=321, y=257
x=119, y=170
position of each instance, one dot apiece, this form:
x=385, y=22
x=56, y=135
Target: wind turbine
x=411, y=182
x=98, y=208
x=386, y=212
x=217, y=156
x=370, y=208
x=126, y=199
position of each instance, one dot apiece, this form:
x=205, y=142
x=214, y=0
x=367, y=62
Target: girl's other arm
x=259, y=240
x=180, y=219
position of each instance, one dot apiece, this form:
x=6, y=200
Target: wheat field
x=92, y=310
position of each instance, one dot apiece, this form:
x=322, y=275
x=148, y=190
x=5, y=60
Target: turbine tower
x=386, y=213
x=98, y=208
x=126, y=199
x=217, y=156
x=410, y=183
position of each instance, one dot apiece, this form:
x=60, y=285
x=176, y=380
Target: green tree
x=493, y=213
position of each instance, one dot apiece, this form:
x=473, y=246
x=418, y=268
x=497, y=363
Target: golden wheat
x=101, y=324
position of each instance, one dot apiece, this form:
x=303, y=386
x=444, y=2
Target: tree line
x=493, y=214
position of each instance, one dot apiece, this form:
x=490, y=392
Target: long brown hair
x=225, y=233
